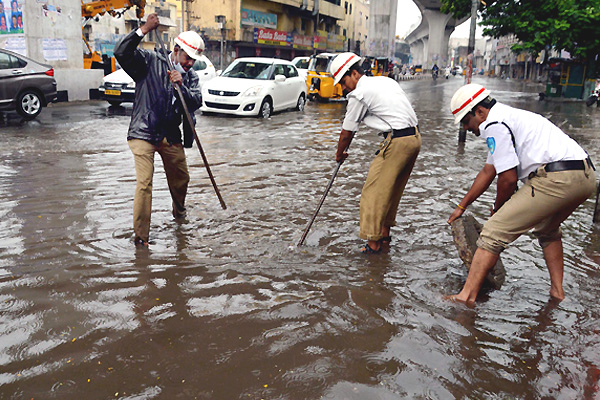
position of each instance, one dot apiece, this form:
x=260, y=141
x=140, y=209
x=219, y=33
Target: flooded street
x=225, y=306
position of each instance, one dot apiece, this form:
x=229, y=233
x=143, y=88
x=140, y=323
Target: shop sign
x=302, y=42
x=272, y=37
x=320, y=41
x=335, y=42
x=257, y=18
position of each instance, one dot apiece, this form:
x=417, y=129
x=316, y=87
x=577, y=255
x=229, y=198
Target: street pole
x=462, y=134
x=183, y=15
x=471, y=49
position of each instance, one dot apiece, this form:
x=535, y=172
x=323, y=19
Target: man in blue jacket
x=157, y=115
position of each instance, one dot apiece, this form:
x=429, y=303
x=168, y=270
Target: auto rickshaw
x=319, y=81
x=379, y=66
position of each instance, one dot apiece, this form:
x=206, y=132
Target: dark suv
x=25, y=85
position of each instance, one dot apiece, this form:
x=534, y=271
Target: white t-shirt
x=381, y=96
x=537, y=141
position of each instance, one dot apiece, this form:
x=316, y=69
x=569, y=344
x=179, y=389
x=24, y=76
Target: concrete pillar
x=382, y=28
x=438, y=40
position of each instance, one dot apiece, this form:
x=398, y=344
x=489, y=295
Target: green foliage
x=457, y=8
x=571, y=25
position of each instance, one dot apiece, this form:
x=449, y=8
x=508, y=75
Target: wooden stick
x=191, y=123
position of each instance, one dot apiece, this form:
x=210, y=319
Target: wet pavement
x=224, y=306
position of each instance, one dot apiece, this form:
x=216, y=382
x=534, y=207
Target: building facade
x=267, y=28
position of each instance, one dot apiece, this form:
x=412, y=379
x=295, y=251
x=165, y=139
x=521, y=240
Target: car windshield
x=318, y=64
x=248, y=70
x=302, y=63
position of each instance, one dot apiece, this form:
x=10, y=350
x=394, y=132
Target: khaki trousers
x=542, y=204
x=176, y=170
x=383, y=189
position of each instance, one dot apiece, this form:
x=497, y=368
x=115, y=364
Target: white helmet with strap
x=341, y=64
x=466, y=98
x=191, y=43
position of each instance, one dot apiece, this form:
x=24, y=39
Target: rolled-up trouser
x=176, y=170
x=542, y=204
x=383, y=189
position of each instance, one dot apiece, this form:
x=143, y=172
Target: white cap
x=341, y=64
x=466, y=98
x=191, y=43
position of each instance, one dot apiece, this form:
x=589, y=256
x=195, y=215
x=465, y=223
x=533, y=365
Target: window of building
x=303, y=25
x=350, y=9
x=346, y=7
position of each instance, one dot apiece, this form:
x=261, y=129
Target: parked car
x=301, y=64
x=119, y=87
x=205, y=69
x=25, y=85
x=255, y=86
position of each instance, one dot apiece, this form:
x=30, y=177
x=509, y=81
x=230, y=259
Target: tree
x=571, y=25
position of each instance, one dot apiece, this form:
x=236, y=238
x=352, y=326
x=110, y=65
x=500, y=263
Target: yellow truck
x=115, y=8
x=319, y=81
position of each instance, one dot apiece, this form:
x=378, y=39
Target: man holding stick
x=157, y=115
x=382, y=105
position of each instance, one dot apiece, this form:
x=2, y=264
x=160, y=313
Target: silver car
x=25, y=85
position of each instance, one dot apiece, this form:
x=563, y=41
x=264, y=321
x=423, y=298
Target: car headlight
x=253, y=91
x=131, y=85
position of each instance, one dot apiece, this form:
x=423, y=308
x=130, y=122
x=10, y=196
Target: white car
x=118, y=87
x=205, y=69
x=301, y=64
x=255, y=86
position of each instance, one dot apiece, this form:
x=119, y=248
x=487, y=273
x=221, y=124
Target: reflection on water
x=224, y=306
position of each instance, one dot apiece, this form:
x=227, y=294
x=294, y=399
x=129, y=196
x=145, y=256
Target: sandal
x=385, y=239
x=368, y=250
x=139, y=242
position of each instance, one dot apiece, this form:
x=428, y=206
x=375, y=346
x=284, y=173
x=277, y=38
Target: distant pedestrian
x=382, y=105
x=156, y=117
x=557, y=174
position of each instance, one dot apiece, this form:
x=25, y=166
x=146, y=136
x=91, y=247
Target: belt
x=401, y=132
x=567, y=165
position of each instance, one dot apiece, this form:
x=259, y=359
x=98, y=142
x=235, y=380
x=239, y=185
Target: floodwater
x=225, y=306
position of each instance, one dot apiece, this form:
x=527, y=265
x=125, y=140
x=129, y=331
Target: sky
x=409, y=17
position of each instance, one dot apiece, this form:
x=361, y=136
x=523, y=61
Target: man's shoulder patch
x=491, y=144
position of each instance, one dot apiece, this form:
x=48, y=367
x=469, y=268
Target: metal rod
x=191, y=123
x=335, y=171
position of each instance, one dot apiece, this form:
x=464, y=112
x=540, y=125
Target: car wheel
x=29, y=104
x=301, y=102
x=266, y=108
x=115, y=103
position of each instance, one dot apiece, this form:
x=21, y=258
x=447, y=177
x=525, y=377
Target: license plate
x=110, y=92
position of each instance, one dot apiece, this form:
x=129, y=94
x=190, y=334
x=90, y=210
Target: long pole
x=191, y=123
x=335, y=172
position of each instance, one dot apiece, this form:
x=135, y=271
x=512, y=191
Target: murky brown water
x=222, y=308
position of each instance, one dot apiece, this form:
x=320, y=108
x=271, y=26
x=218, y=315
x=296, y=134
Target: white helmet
x=340, y=65
x=466, y=98
x=191, y=42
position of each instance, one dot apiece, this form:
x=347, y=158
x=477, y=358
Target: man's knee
x=490, y=244
x=544, y=239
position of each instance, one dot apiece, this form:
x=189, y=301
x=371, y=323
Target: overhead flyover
x=429, y=41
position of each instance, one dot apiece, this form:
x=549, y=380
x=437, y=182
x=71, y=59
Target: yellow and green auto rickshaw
x=376, y=66
x=319, y=81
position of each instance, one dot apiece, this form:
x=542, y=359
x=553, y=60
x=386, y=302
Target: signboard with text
x=272, y=37
x=302, y=42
